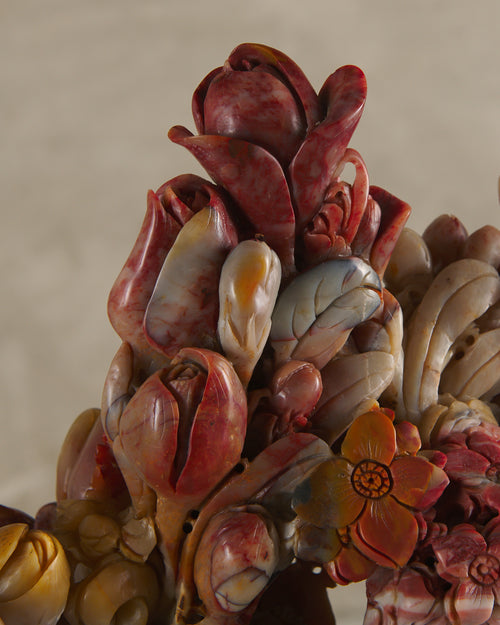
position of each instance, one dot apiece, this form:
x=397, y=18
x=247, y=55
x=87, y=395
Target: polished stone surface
x=89, y=91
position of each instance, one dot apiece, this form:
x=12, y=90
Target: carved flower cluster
x=283, y=357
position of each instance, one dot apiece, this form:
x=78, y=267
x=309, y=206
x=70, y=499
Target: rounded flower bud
x=241, y=549
x=34, y=576
x=119, y=593
x=275, y=107
x=184, y=428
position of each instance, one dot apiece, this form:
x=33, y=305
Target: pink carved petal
x=415, y=603
x=464, y=462
x=492, y=535
x=438, y=481
x=254, y=54
x=394, y=216
x=386, y=533
x=327, y=498
x=148, y=433
x=218, y=429
x=486, y=444
x=469, y=604
x=199, y=99
x=359, y=192
x=239, y=166
x=132, y=289
x=349, y=566
x=457, y=550
x=371, y=436
x=185, y=195
x=365, y=236
x=407, y=436
x=255, y=106
x=342, y=96
x=411, y=476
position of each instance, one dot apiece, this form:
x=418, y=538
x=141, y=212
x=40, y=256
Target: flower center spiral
x=484, y=569
x=371, y=479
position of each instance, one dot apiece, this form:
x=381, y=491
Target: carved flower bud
x=259, y=95
x=34, y=576
x=295, y=390
x=119, y=593
x=248, y=287
x=168, y=211
x=236, y=557
x=184, y=428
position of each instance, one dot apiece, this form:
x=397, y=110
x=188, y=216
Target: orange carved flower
x=372, y=491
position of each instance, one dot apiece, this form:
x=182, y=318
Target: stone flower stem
x=171, y=519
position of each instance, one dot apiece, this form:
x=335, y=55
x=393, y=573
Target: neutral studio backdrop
x=88, y=91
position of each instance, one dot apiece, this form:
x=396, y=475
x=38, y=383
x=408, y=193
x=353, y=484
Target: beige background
x=89, y=89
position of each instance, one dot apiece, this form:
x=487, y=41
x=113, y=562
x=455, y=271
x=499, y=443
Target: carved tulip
x=276, y=104
x=258, y=117
x=131, y=311
x=184, y=427
x=182, y=432
x=34, y=576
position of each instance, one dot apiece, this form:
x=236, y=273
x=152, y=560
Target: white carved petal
x=248, y=287
x=459, y=294
x=477, y=371
x=315, y=313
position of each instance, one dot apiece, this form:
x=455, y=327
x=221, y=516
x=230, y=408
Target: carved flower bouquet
x=306, y=394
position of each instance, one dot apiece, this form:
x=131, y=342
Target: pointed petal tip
x=178, y=134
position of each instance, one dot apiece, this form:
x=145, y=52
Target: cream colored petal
x=476, y=371
x=183, y=307
x=459, y=294
x=351, y=386
x=410, y=258
x=316, y=312
x=248, y=287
